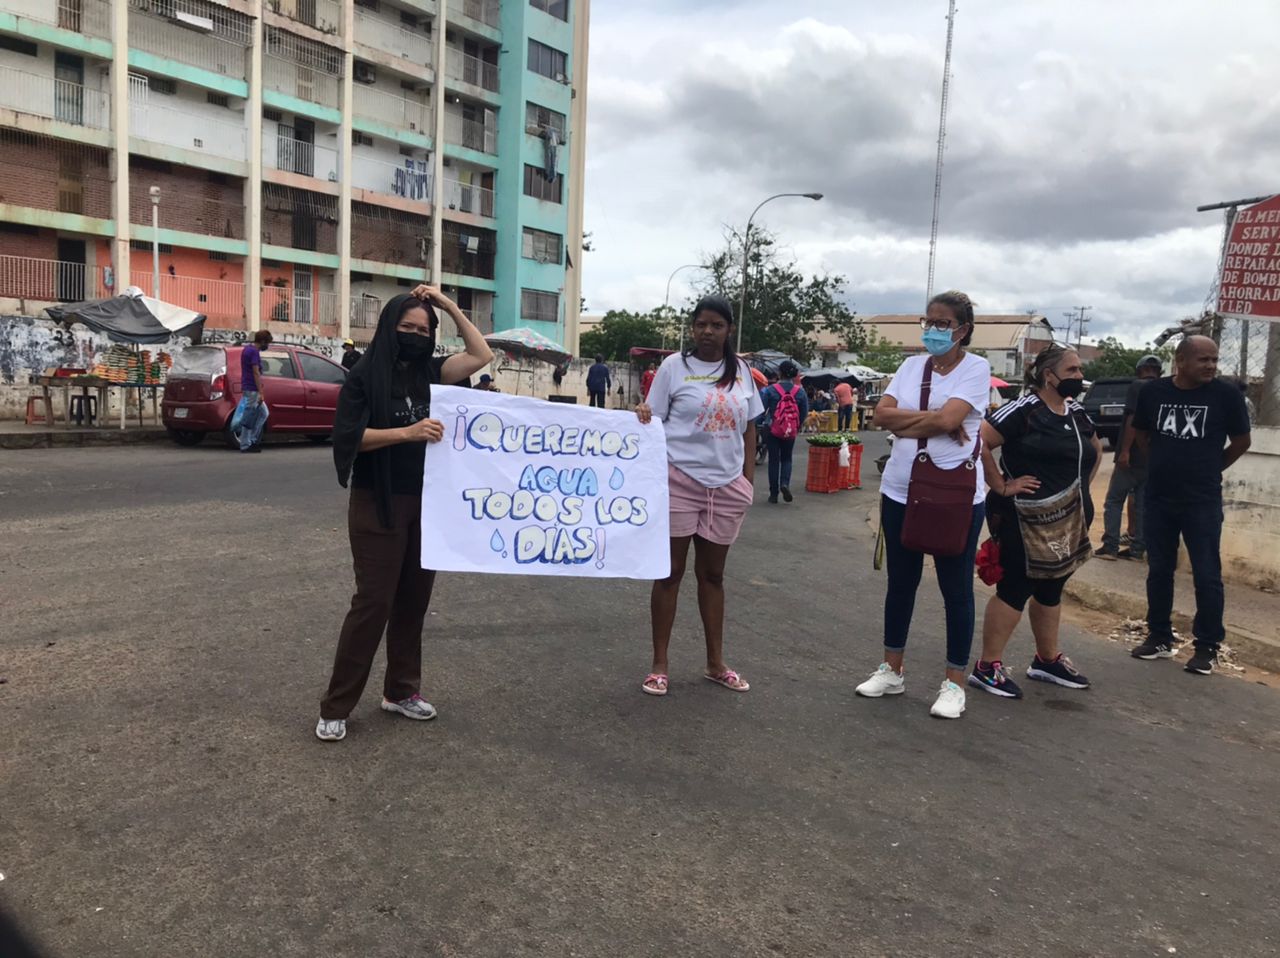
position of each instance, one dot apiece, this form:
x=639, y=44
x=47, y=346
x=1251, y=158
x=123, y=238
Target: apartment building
x=296, y=162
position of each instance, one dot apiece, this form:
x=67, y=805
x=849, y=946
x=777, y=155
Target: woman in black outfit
x=380, y=441
x=1047, y=444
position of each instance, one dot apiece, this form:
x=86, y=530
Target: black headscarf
x=365, y=400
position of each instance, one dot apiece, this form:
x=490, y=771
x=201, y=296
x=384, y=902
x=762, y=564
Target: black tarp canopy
x=132, y=319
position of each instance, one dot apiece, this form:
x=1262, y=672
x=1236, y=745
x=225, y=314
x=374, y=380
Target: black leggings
x=1014, y=587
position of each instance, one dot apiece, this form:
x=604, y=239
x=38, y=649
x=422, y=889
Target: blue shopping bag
x=237, y=418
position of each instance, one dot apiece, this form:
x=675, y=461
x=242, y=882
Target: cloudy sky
x=1082, y=134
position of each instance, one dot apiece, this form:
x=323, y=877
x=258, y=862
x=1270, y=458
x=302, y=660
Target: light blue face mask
x=937, y=341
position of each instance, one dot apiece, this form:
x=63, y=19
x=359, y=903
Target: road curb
x=1250, y=648
x=87, y=437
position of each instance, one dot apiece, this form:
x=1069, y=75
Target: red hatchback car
x=203, y=388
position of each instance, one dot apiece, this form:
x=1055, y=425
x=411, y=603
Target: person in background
x=1047, y=444
x=380, y=439
x=1192, y=427
x=845, y=399
x=822, y=401
x=486, y=384
x=957, y=402
x=708, y=404
x=1129, y=475
x=599, y=379
x=350, y=355
x=785, y=409
x=255, y=412
x=646, y=380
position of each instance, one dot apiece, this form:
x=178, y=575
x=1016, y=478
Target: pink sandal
x=655, y=683
x=729, y=679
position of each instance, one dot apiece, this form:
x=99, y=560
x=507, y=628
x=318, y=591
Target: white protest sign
x=527, y=487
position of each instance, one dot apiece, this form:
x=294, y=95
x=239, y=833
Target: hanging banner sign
x=1249, y=287
x=527, y=487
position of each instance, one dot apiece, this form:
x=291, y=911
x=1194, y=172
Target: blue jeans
x=1124, y=482
x=844, y=418
x=1200, y=526
x=255, y=417
x=955, y=582
x=779, y=461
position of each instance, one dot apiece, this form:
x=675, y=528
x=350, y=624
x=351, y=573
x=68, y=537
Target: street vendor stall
x=523, y=343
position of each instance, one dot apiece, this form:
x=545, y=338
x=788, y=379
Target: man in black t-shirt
x=1183, y=423
x=1129, y=476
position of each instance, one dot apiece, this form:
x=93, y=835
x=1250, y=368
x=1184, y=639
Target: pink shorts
x=714, y=514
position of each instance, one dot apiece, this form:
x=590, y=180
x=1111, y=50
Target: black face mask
x=1070, y=388
x=413, y=346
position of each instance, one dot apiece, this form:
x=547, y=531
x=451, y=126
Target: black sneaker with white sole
x=1060, y=672
x=1202, y=663
x=1153, y=648
x=993, y=677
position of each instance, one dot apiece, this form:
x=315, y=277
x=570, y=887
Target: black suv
x=1104, y=402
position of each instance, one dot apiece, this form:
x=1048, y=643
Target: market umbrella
x=760, y=378
x=824, y=378
x=865, y=374
x=527, y=343
x=998, y=383
x=132, y=318
x=767, y=360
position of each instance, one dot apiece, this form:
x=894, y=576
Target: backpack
x=786, y=415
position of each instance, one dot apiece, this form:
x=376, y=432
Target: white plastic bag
x=845, y=457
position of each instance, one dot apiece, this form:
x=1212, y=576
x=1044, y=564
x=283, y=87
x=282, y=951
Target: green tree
x=1115, y=359
x=619, y=331
x=880, y=354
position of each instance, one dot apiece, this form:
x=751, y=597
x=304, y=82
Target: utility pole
x=1077, y=315
x=942, y=141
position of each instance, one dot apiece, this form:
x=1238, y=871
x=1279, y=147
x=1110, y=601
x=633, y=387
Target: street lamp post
x=155, y=241
x=666, y=301
x=746, y=251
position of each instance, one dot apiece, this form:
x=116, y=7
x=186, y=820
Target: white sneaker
x=331, y=730
x=883, y=681
x=414, y=707
x=950, y=701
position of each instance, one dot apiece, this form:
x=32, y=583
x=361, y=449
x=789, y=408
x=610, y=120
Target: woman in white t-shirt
x=707, y=403
x=951, y=426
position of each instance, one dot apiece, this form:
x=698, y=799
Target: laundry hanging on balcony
x=413, y=180
x=550, y=153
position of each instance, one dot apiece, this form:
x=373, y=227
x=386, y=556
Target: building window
x=547, y=61
x=360, y=139
x=539, y=187
x=218, y=99
x=14, y=45
x=539, y=307
x=539, y=118
x=543, y=246
x=217, y=257
x=162, y=85
x=557, y=8
x=144, y=246
x=275, y=116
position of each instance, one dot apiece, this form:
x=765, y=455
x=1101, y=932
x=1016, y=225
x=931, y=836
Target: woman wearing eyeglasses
x=947, y=429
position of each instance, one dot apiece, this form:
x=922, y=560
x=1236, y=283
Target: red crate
x=850, y=476
x=824, y=466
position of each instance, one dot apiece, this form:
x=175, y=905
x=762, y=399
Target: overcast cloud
x=1081, y=137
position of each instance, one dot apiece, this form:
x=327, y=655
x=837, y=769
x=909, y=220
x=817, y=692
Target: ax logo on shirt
x=1182, y=422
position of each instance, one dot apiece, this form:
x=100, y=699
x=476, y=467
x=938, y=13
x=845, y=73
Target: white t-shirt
x=970, y=381
x=704, y=424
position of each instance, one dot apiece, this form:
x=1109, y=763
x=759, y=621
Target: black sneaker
x=994, y=679
x=1130, y=554
x=1153, y=648
x=1105, y=553
x=774, y=499
x=1060, y=672
x=786, y=493
x=1202, y=663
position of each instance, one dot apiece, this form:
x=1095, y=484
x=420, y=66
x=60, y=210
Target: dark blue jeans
x=955, y=582
x=779, y=461
x=1199, y=525
x=844, y=418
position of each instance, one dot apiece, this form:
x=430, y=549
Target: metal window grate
x=307, y=53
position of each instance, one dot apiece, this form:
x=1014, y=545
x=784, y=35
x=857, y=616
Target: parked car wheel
x=186, y=437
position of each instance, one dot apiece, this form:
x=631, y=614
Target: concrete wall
x=531, y=378
x=1251, y=530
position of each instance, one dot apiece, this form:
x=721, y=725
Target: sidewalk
x=15, y=434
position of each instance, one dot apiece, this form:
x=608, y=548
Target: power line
x=942, y=141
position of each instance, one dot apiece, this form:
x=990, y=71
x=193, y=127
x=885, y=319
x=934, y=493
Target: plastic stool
x=83, y=407
x=32, y=419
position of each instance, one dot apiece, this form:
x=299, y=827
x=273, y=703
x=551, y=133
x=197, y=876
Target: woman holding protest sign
x=380, y=440
x=707, y=403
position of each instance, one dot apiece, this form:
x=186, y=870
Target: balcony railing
x=90, y=17
x=365, y=311
x=55, y=99
x=296, y=79
x=216, y=298
x=173, y=42
x=288, y=304
x=43, y=280
x=466, y=198
x=324, y=15
x=283, y=152
x=201, y=134
x=485, y=11
x=409, y=178
x=466, y=68
x=396, y=111
x=392, y=38
x=471, y=134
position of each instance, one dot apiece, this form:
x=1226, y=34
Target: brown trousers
x=392, y=593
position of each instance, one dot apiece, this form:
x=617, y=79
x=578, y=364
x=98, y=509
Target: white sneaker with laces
x=883, y=681
x=950, y=701
x=414, y=707
x=331, y=730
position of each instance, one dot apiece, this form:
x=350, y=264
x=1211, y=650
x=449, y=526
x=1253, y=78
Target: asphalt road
x=169, y=617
